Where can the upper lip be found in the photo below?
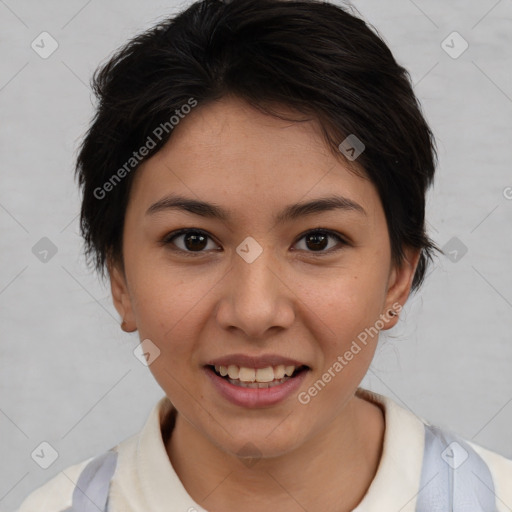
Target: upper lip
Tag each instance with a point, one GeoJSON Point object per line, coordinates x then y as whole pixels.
{"type": "Point", "coordinates": [247, 361]}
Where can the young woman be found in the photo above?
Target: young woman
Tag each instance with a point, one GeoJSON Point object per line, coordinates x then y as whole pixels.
{"type": "Point", "coordinates": [254, 186]}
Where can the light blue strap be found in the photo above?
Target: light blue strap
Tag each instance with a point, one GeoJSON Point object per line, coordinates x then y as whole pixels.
{"type": "Point", "coordinates": [454, 477]}
{"type": "Point", "coordinates": [91, 491]}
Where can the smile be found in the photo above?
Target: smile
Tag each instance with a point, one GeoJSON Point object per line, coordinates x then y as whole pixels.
{"type": "Point", "coordinates": [256, 387]}
{"type": "Point", "coordinates": [260, 378]}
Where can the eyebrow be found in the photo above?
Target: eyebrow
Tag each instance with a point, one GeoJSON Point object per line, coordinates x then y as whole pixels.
{"type": "Point", "coordinates": [289, 213]}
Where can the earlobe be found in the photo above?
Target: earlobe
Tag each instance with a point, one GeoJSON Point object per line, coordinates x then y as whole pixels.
{"type": "Point", "coordinates": [399, 285]}
{"type": "Point", "coordinates": [121, 297]}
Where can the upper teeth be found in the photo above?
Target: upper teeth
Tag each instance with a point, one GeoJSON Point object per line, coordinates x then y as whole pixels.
{"type": "Point", "coordinates": [244, 374]}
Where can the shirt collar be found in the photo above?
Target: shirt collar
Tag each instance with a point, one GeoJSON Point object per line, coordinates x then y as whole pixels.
{"type": "Point", "coordinates": [394, 486]}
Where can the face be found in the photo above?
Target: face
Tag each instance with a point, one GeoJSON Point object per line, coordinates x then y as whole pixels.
{"type": "Point", "coordinates": [295, 290]}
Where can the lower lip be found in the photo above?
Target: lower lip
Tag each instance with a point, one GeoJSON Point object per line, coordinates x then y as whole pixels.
{"type": "Point", "coordinates": [255, 397]}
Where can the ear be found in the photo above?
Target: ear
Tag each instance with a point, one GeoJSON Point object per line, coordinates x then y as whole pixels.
{"type": "Point", "coordinates": [399, 285]}
{"type": "Point", "coordinates": [121, 296]}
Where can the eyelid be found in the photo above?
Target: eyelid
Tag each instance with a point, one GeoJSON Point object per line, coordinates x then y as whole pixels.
{"type": "Point", "coordinates": [335, 234]}
{"type": "Point", "coordinates": [342, 240]}
{"type": "Point", "coordinates": [167, 240]}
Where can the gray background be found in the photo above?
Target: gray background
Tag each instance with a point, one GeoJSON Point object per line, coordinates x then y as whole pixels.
{"type": "Point", "coordinates": [68, 375]}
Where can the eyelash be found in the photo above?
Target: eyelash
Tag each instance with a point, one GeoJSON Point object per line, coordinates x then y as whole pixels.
{"type": "Point", "coordinates": [168, 240]}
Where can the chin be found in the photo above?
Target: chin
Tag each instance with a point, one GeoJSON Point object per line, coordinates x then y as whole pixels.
{"type": "Point", "coordinates": [263, 442]}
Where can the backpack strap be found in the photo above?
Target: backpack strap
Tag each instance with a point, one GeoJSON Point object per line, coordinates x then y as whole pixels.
{"type": "Point", "coordinates": [454, 477]}
{"type": "Point", "coordinates": [93, 485]}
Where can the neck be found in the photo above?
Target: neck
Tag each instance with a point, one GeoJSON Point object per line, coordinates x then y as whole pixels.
{"type": "Point", "coordinates": [331, 471]}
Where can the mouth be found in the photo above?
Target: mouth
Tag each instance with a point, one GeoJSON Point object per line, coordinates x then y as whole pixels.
{"type": "Point", "coordinates": [256, 381]}
{"type": "Point", "coordinates": [257, 378]}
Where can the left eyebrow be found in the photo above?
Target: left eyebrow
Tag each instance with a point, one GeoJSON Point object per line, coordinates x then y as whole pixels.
{"type": "Point", "coordinates": [289, 213]}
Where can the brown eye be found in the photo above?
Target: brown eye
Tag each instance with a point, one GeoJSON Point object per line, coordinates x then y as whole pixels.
{"type": "Point", "coordinates": [193, 240]}
{"type": "Point", "coordinates": [318, 240]}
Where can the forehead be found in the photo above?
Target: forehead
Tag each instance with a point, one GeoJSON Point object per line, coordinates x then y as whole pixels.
{"type": "Point", "coordinates": [238, 155]}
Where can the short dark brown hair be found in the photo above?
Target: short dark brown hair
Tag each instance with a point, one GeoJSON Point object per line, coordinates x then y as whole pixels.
{"type": "Point", "coordinates": [312, 56]}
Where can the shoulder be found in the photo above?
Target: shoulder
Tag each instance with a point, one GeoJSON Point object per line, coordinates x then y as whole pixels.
{"type": "Point", "coordinates": [57, 493]}
{"type": "Point", "coordinates": [501, 471]}
{"type": "Point", "coordinates": [427, 459]}
{"type": "Point", "coordinates": [480, 475]}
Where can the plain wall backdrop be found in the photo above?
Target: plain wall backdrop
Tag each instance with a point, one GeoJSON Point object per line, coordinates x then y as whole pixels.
{"type": "Point", "coordinates": [68, 375]}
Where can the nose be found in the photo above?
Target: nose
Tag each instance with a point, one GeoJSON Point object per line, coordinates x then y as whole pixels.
{"type": "Point", "coordinates": [257, 296]}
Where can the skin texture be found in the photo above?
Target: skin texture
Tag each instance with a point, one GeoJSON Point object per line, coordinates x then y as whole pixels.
{"type": "Point", "coordinates": [294, 300]}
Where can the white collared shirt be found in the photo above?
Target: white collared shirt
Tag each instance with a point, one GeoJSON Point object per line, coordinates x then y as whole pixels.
{"type": "Point", "coordinates": [145, 480]}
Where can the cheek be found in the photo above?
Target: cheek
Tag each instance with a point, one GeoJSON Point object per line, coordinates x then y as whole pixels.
{"type": "Point", "coordinates": [167, 311]}
{"type": "Point", "coordinates": [162, 294]}
{"type": "Point", "coordinates": [169, 304]}
{"type": "Point", "coordinates": [348, 307]}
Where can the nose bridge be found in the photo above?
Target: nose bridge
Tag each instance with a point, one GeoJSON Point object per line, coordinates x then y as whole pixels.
{"type": "Point", "coordinates": [256, 266]}
{"type": "Point", "coordinates": [254, 269]}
